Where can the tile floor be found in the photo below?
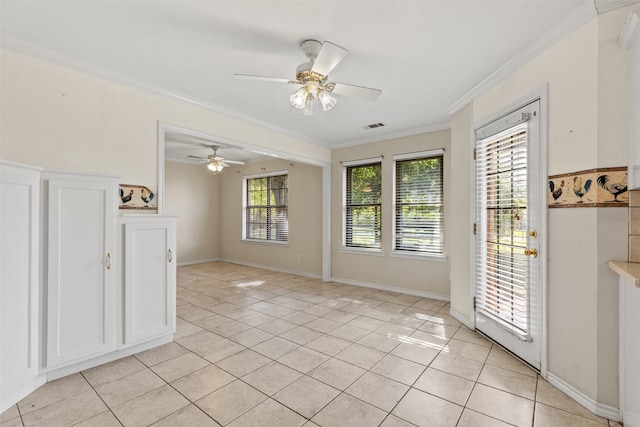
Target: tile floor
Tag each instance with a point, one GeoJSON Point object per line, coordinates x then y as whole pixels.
{"type": "Point", "coordinates": [260, 348]}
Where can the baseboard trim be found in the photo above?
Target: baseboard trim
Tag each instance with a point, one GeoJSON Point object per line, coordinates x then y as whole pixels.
{"type": "Point", "coordinates": [197, 261]}
{"type": "Point", "coordinates": [462, 319]}
{"type": "Point", "coordinates": [10, 398]}
{"type": "Point", "coordinates": [271, 268]}
{"type": "Point", "coordinates": [392, 289]}
{"type": "Point", "coordinates": [588, 403]}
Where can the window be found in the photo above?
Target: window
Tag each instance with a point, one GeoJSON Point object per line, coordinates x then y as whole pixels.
{"type": "Point", "coordinates": [363, 189]}
{"type": "Point", "coordinates": [266, 214]}
{"type": "Point", "coordinates": [418, 202]}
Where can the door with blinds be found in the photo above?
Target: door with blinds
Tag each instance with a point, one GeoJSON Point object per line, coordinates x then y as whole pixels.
{"type": "Point", "coordinates": [509, 210]}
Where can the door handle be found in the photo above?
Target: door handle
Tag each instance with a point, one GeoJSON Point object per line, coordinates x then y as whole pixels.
{"type": "Point", "coordinates": [109, 261]}
{"type": "Point", "coordinates": [170, 255]}
{"type": "Point", "coordinates": [531, 252]}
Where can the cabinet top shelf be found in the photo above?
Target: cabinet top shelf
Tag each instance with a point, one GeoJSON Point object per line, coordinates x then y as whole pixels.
{"type": "Point", "coordinates": [627, 270]}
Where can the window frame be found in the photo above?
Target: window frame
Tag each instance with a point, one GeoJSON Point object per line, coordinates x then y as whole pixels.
{"type": "Point", "coordinates": [246, 208]}
{"type": "Point", "coordinates": [418, 253]}
{"type": "Point", "coordinates": [345, 206]}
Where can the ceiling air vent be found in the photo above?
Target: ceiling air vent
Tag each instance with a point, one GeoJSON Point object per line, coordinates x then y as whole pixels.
{"type": "Point", "coordinates": [374, 125]}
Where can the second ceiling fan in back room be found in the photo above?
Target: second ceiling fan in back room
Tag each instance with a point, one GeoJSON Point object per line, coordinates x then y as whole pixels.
{"type": "Point", "coordinates": [216, 163]}
{"type": "Point", "coordinates": [314, 78]}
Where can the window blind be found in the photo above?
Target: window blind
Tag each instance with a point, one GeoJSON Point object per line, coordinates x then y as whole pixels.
{"type": "Point", "coordinates": [266, 208]}
{"type": "Point", "coordinates": [418, 205]}
{"type": "Point", "coordinates": [363, 209]}
{"type": "Point", "coordinates": [501, 265]}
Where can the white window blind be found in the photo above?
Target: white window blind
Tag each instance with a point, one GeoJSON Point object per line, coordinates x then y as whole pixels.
{"type": "Point", "coordinates": [266, 211]}
{"type": "Point", "coordinates": [418, 204]}
{"type": "Point", "coordinates": [362, 205]}
{"type": "Point", "coordinates": [501, 264]}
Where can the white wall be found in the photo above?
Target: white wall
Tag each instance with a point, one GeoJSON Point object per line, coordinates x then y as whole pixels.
{"type": "Point", "coordinates": [192, 193]}
{"type": "Point", "coordinates": [587, 123]}
{"type": "Point", "coordinates": [419, 275]}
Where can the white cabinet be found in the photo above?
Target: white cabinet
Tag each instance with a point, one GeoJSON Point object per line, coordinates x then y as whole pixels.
{"type": "Point", "coordinates": [149, 277]}
{"type": "Point", "coordinates": [629, 353]}
{"type": "Point", "coordinates": [19, 273]}
{"type": "Point", "coordinates": [80, 311]}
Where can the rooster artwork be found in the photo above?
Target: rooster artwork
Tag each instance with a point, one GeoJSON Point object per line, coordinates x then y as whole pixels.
{"type": "Point", "coordinates": [556, 192]}
{"type": "Point", "coordinates": [125, 198]}
{"type": "Point", "coordinates": [580, 189]}
{"type": "Point", "coordinates": [615, 188]}
{"type": "Point", "coordinates": [146, 196]}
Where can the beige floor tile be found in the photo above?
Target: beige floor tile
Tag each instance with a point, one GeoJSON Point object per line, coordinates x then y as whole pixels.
{"type": "Point", "coordinates": [251, 337]}
{"type": "Point", "coordinates": [393, 421]}
{"type": "Point", "coordinates": [467, 350]}
{"type": "Point", "coordinates": [466, 334]}
{"type": "Point", "coordinates": [199, 383]}
{"type": "Point", "coordinates": [67, 412]}
{"type": "Point", "coordinates": [445, 386]}
{"type": "Point", "coordinates": [12, 422]}
{"type": "Point", "coordinates": [423, 409]}
{"type": "Point", "coordinates": [257, 319]}
{"type": "Point", "coordinates": [275, 347]}
{"type": "Point", "coordinates": [191, 313]}
{"type": "Point", "coordinates": [242, 363]}
{"type": "Point", "coordinates": [366, 323]}
{"type": "Point", "coordinates": [439, 330]}
{"type": "Point", "coordinates": [9, 414]}
{"type": "Point", "coordinates": [456, 365]}
{"type": "Point", "coordinates": [219, 350]}
{"type": "Point", "coordinates": [277, 326]}
{"type": "Point", "coordinates": [428, 339]}
{"type": "Point", "coordinates": [214, 321]}
{"type": "Point", "coordinates": [340, 316]}
{"type": "Point", "coordinates": [300, 335]}
{"type": "Point", "coordinates": [300, 318]}
{"type": "Point", "coordinates": [547, 416]}
{"type": "Point", "coordinates": [398, 369]}
{"type": "Point", "coordinates": [53, 392]}
{"type": "Point", "coordinates": [184, 329]}
{"type": "Point", "coordinates": [306, 396]}
{"type": "Point", "coordinates": [318, 310]}
{"type": "Point", "coordinates": [510, 381]}
{"type": "Point", "coordinates": [104, 419]}
{"type": "Point", "coordinates": [150, 407]}
{"type": "Point", "coordinates": [271, 309]}
{"type": "Point", "coordinates": [229, 329]}
{"type": "Point", "coordinates": [126, 388]}
{"type": "Point", "coordinates": [328, 345]}
{"type": "Point", "coordinates": [361, 356]}
{"type": "Point", "coordinates": [471, 418]}
{"type": "Point", "coordinates": [444, 319]}
{"type": "Point", "coordinates": [271, 378]}
{"type": "Point", "coordinates": [160, 354]}
{"type": "Point", "coordinates": [504, 360]}
{"type": "Point", "coordinates": [377, 390]}
{"type": "Point", "coordinates": [551, 396]}
{"type": "Point", "coordinates": [337, 373]}
{"type": "Point", "coordinates": [230, 402]}
{"type": "Point", "coordinates": [180, 366]}
{"type": "Point", "coordinates": [189, 416]}
{"type": "Point", "coordinates": [393, 330]}
{"type": "Point", "coordinates": [322, 325]}
{"type": "Point", "coordinates": [113, 370]}
{"type": "Point", "coordinates": [415, 352]}
{"type": "Point", "coordinates": [347, 411]}
{"type": "Point", "coordinates": [303, 359]}
{"type": "Point", "coordinates": [269, 413]}
{"type": "Point", "coordinates": [199, 340]}
{"type": "Point", "coordinates": [379, 342]}
{"type": "Point", "coordinates": [504, 406]}
{"type": "Point", "coordinates": [349, 333]}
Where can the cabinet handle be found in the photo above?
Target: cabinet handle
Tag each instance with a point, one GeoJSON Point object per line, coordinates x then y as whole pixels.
{"type": "Point", "coordinates": [109, 261]}
{"type": "Point", "coordinates": [170, 255]}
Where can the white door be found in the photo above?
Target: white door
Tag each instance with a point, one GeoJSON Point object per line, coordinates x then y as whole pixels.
{"type": "Point", "coordinates": [80, 291]}
{"type": "Point", "coordinates": [509, 217]}
{"type": "Point", "coordinates": [149, 278]}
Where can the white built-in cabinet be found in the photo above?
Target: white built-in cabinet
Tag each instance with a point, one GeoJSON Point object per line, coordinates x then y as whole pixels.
{"type": "Point", "coordinates": [80, 303]}
{"type": "Point", "coordinates": [19, 279]}
{"type": "Point", "coordinates": [80, 284]}
{"type": "Point", "coordinates": [149, 277]}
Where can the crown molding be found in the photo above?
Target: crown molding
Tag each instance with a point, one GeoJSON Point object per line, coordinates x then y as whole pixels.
{"type": "Point", "coordinates": [393, 135]}
{"type": "Point", "coordinates": [584, 12]}
{"type": "Point", "coordinates": [19, 45]}
{"type": "Point", "coordinates": [631, 30]}
{"type": "Point", "coordinates": [604, 6]}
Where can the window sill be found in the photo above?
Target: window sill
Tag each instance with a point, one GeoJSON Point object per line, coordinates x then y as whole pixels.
{"type": "Point", "coordinates": [266, 242]}
{"type": "Point", "coordinates": [362, 251]}
{"type": "Point", "coordinates": [425, 257]}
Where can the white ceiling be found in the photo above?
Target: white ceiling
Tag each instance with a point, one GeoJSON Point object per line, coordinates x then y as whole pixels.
{"type": "Point", "coordinates": [423, 55]}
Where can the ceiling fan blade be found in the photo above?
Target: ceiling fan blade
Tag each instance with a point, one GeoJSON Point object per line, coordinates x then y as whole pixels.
{"type": "Point", "coordinates": [264, 78]}
{"type": "Point", "coordinates": [366, 93]}
{"type": "Point", "coordinates": [198, 158]}
{"type": "Point", "coordinates": [329, 56]}
{"type": "Point", "coordinates": [233, 162]}
{"type": "Point", "coordinates": [223, 164]}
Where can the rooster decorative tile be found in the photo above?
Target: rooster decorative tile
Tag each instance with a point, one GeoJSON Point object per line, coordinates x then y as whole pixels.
{"type": "Point", "coordinates": [604, 187]}
{"type": "Point", "coordinates": [136, 197]}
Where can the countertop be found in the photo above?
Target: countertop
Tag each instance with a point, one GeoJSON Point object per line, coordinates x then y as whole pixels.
{"type": "Point", "coordinates": [628, 270]}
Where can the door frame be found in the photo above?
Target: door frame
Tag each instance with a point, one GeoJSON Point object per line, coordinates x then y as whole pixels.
{"type": "Point", "coordinates": [541, 93]}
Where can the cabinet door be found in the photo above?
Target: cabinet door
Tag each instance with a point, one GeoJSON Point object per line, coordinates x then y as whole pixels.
{"type": "Point", "coordinates": [80, 294]}
{"type": "Point", "coordinates": [150, 278]}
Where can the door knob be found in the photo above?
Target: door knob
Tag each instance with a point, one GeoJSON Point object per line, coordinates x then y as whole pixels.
{"type": "Point", "coordinates": [531, 252]}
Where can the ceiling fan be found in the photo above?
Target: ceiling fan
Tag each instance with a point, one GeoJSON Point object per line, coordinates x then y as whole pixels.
{"type": "Point", "coordinates": [313, 76]}
{"type": "Point", "coordinates": [214, 162]}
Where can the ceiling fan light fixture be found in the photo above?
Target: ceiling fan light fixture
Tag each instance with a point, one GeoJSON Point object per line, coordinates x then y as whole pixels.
{"type": "Point", "coordinates": [215, 166]}
{"type": "Point", "coordinates": [299, 98]}
{"type": "Point", "coordinates": [308, 106]}
{"type": "Point", "coordinates": [327, 101]}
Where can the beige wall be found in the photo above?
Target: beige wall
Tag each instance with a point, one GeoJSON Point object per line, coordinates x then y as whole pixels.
{"type": "Point", "coordinates": [587, 113]}
{"type": "Point", "coordinates": [305, 219]}
{"type": "Point", "coordinates": [419, 275]}
{"type": "Point", "coordinates": [59, 118]}
{"type": "Point", "coordinates": [192, 193]}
